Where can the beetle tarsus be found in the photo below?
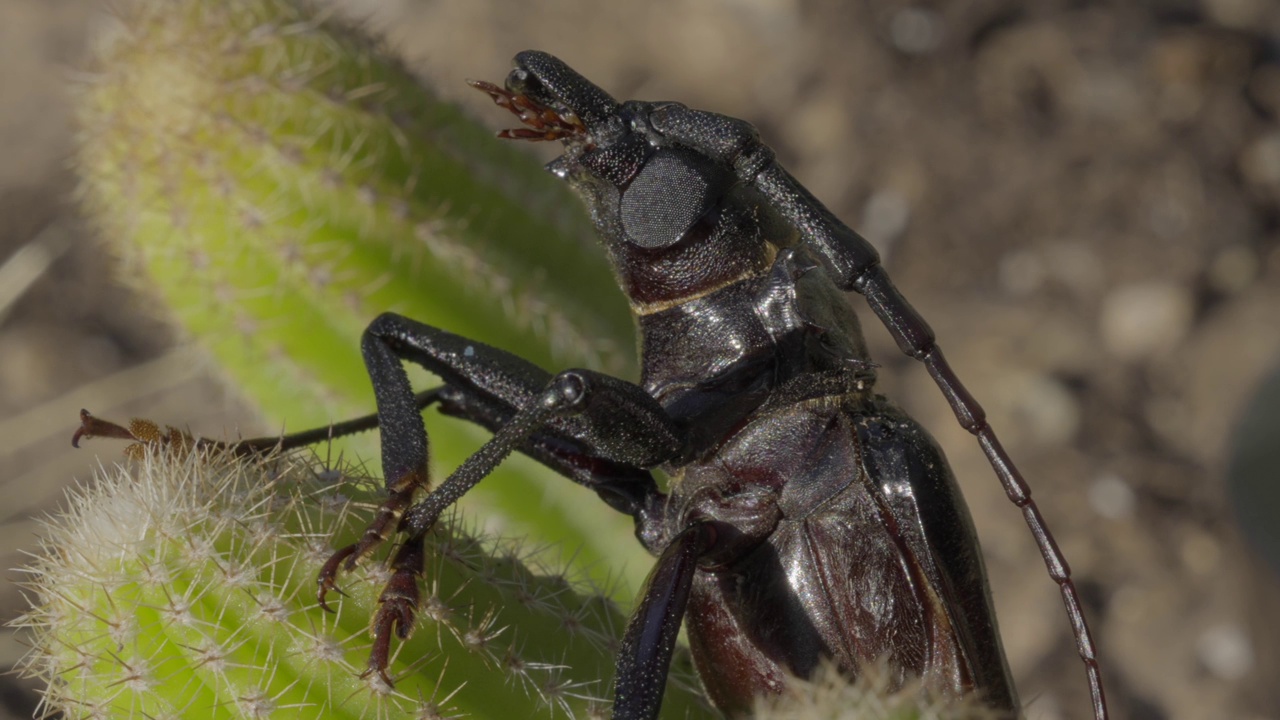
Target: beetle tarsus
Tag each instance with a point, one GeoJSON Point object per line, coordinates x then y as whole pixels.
{"type": "Point", "coordinates": [389, 514]}
{"type": "Point", "coordinates": [142, 434]}
{"type": "Point", "coordinates": [397, 605]}
{"type": "Point", "coordinates": [92, 427]}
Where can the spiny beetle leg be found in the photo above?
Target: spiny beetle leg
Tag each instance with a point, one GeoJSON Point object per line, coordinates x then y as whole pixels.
{"type": "Point", "coordinates": [640, 434]}
{"type": "Point", "coordinates": [624, 487]}
{"type": "Point", "coordinates": [623, 432]}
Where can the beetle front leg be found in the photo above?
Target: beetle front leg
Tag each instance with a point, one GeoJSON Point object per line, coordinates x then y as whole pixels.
{"type": "Point", "coordinates": [567, 394]}
{"type": "Point", "coordinates": [404, 455]}
{"type": "Point", "coordinates": [397, 604]}
{"type": "Point", "coordinates": [608, 421]}
{"type": "Point", "coordinates": [571, 394]}
{"type": "Point", "coordinates": [608, 452]}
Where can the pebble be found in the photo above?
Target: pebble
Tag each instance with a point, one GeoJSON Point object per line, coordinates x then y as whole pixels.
{"type": "Point", "coordinates": [884, 218]}
{"type": "Point", "coordinates": [1046, 409]}
{"type": "Point", "coordinates": [1233, 269]}
{"type": "Point", "coordinates": [1141, 320]}
{"type": "Point", "coordinates": [1072, 265]}
{"type": "Point", "coordinates": [1260, 160]}
{"type": "Point", "coordinates": [1022, 272]}
{"type": "Point", "coordinates": [1112, 497]}
{"type": "Point", "coordinates": [1237, 14]}
{"type": "Point", "coordinates": [1225, 650]}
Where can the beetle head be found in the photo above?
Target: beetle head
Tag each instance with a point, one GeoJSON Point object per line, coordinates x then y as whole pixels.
{"type": "Point", "coordinates": [668, 187]}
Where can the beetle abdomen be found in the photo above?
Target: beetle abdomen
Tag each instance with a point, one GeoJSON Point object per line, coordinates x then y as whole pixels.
{"type": "Point", "coordinates": [837, 576]}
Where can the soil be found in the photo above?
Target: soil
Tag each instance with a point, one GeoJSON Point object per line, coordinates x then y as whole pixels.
{"type": "Point", "coordinates": [1083, 198]}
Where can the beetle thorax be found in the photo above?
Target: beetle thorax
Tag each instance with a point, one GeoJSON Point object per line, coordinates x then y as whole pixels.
{"type": "Point", "coordinates": [784, 335]}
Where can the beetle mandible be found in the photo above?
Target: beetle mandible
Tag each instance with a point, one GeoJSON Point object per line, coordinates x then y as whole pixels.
{"type": "Point", "coordinates": [807, 517]}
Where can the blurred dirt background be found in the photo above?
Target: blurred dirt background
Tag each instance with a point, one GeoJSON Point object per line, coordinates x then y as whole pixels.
{"type": "Point", "coordinates": [1082, 197]}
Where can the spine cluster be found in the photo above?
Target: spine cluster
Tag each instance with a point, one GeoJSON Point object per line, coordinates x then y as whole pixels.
{"type": "Point", "coordinates": [184, 586]}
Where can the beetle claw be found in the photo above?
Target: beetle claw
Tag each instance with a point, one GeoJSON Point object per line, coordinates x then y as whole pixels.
{"type": "Point", "coordinates": [397, 607]}
{"type": "Point", "coordinates": [325, 581]}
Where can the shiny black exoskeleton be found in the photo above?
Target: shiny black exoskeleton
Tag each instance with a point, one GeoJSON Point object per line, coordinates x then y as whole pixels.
{"type": "Point", "coordinates": [807, 518]}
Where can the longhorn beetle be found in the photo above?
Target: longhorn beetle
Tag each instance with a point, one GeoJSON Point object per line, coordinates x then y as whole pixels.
{"type": "Point", "coordinates": [807, 517]}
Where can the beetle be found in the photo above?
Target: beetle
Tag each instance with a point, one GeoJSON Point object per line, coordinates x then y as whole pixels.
{"type": "Point", "coordinates": [807, 518]}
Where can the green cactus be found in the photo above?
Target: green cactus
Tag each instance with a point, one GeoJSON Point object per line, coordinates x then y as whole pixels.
{"type": "Point", "coordinates": [183, 586]}
{"type": "Point", "coordinates": [872, 696]}
{"type": "Point", "coordinates": [276, 180]}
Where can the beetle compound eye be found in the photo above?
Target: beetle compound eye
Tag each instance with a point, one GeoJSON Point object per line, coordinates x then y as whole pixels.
{"type": "Point", "coordinates": [668, 196]}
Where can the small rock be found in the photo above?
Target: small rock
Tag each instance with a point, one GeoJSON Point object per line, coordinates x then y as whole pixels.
{"type": "Point", "coordinates": [1022, 272]}
{"type": "Point", "coordinates": [1237, 14]}
{"type": "Point", "coordinates": [1233, 269]}
{"type": "Point", "coordinates": [1226, 651]}
{"type": "Point", "coordinates": [884, 218]}
{"type": "Point", "coordinates": [1112, 497]}
{"type": "Point", "coordinates": [1141, 320]}
{"type": "Point", "coordinates": [1046, 410]}
{"type": "Point", "coordinates": [1260, 160]}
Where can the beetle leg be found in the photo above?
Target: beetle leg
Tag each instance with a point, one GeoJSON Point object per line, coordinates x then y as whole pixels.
{"type": "Point", "coordinates": [399, 599]}
{"type": "Point", "coordinates": [570, 394]}
{"type": "Point", "coordinates": [622, 434]}
{"type": "Point", "coordinates": [567, 394]}
{"type": "Point", "coordinates": [388, 514]}
{"type": "Point", "coordinates": [623, 487]}
{"type": "Point", "coordinates": [645, 655]}
{"type": "Point", "coordinates": [627, 424]}
{"type": "Point", "coordinates": [580, 420]}
{"type": "Point", "coordinates": [485, 386]}
{"type": "Point", "coordinates": [404, 455]}
{"type": "Point", "coordinates": [364, 423]}
{"type": "Point", "coordinates": [396, 605]}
